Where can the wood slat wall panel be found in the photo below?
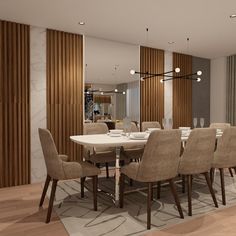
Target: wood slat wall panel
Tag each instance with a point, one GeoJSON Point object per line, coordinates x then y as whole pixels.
{"type": "Point", "coordinates": [65, 90]}
{"type": "Point", "coordinates": [182, 92]}
{"type": "Point", "coordinates": [14, 104]}
{"type": "Point", "coordinates": [151, 90]}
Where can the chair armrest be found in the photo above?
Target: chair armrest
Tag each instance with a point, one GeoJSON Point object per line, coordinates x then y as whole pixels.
{"type": "Point", "coordinates": [64, 157]}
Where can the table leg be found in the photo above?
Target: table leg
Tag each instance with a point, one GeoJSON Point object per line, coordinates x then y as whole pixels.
{"type": "Point", "coordinates": [117, 176]}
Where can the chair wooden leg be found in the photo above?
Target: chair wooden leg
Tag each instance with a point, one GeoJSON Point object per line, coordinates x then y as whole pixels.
{"type": "Point", "coordinates": [189, 177]}
{"type": "Point", "coordinates": [231, 172]}
{"type": "Point", "coordinates": [235, 170]}
{"type": "Point", "coordinates": [130, 182]}
{"type": "Point", "coordinates": [45, 188]}
{"type": "Point", "coordinates": [122, 178]}
{"type": "Point", "coordinates": [149, 205]}
{"type": "Point", "coordinates": [158, 189]}
{"type": "Point", "coordinates": [82, 180]}
{"type": "Point", "coordinates": [95, 189]}
{"type": "Point", "coordinates": [152, 192]}
{"type": "Point", "coordinates": [210, 188]}
{"type": "Point", "coordinates": [53, 191]}
{"type": "Point", "coordinates": [212, 175]}
{"type": "Point", "coordinates": [107, 170]}
{"type": "Point", "coordinates": [222, 181]}
{"type": "Point", "coordinates": [183, 183]}
{"type": "Point", "coordinates": [176, 198]}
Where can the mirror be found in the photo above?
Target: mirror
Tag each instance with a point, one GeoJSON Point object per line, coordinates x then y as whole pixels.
{"type": "Point", "coordinates": [111, 92]}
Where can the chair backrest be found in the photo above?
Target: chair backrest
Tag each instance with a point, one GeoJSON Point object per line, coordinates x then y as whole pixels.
{"type": "Point", "coordinates": [95, 128]}
{"type": "Point", "coordinates": [134, 127]}
{"type": "Point", "coordinates": [52, 160]}
{"type": "Point", "coordinates": [161, 156]}
{"type": "Point", "coordinates": [199, 151]}
{"type": "Point", "coordinates": [225, 154]}
{"type": "Point", "coordinates": [221, 126]}
{"type": "Point", "coordinates": [150, 124]}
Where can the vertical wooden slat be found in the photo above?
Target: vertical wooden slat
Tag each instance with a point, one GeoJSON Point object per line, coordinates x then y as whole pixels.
{"type": "Point", "coordinates": [151, 90]}
{"type": "Point", "coordinates": [65, 90]}
{"type": "Point", "coordinates": [14, 104]}
{"type": "Point", "coordinates": [182, 92]}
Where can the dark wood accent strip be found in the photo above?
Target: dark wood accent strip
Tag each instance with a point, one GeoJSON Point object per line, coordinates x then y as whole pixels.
{"type": "Point", "coordinates": [14, 104]}
{"type": "Point", "coordinates": [182, 92]}
{"type": "Point", "coordinates": [65, 90]}
{"type": "Point", "coordinates": [151, 90]}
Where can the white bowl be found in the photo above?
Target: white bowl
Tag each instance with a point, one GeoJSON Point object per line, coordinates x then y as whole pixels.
{"type": "Point", "coordinates": [153, 129]}
{"type": "Point", "coordinates": [116, 131]}
{"type": "Point", "coordinates": [139, 135]}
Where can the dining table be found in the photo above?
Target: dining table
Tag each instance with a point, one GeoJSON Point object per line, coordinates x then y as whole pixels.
{"type": "Point", "coordinates": [106, 140]}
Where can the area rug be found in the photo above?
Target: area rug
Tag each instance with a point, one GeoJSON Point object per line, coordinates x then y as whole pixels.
{"type": "Point", "coordinates": [79, 219]}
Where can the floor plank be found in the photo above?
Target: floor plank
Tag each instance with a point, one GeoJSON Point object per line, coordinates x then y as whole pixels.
{"type": "Point", "coordinates": [21, 216]}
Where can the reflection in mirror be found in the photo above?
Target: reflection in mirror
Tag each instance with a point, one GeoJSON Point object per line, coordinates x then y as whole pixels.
{"type": "Point", "coordinates": [111, 92]}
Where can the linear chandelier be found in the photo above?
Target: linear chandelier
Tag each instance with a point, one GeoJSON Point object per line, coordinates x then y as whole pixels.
{"type": "Point", "coordinates": [102, 92]}
{"type": "Point", "coordinates": [147, 75]}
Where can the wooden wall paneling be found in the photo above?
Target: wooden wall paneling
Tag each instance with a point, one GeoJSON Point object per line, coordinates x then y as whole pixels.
{"type": "Point", "coordinates": [65, 90]}
{"type": "Point", "coordinates": [151, 90]}
{"type": "Point", "coordinates": [14, 104]}
{"type": "Point", "coordinates": [182, 92]}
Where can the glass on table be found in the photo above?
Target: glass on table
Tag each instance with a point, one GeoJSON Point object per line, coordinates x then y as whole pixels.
{"type": "Point", "coordinates": [127, 126]}
{"type": "Point", "coordinates": [202, 122]}
{"type": "Point", "coordinates": [170, 121]}
{"type": "Point", "coordinates": [195, 122]}
{"type": "Point", "coordinates": [164, 123]}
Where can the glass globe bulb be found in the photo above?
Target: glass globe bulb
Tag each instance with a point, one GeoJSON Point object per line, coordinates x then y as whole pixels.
{"type": "Point", "coordinates": [123, 92]}
{"type": "Point", "coordinates": [161, 80]}
{"type": "Point", "coordinates": [101, 93]}
{"type": "Point", "coordinates": [177, 70]}
{"type": "Point", "coordinates": [199, 73]}
{"type": "Point", "coordinates": [132, 72]}
{"type": "Point", "coordinates": [116, 90]}
{"type": "Point", "coordinates": [198, 79]}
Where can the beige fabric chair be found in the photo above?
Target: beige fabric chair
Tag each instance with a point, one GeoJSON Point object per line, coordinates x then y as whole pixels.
{"type": "Point", "coordinates": [225, 155]}
{"type": "Point", "coordinates": [129, 152]}
{"type": "Point", "coordinates": [221, 126]}
{"type": "Point", "coordinates": [150, 124]}
{"type": "Point", "coordinates": [159, 162]}
{"type": "Point", "coordinates": [197, 159]}
{"type": "Point", "coordinates": [101, 154]}
{"type": "Point", "coordinates": [58, 168]}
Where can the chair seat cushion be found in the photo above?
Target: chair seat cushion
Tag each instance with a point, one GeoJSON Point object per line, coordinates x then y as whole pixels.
{"type": "Point", "coordinates": [74, 170]}
{"type": "Point", "coordinates": [131, 170]}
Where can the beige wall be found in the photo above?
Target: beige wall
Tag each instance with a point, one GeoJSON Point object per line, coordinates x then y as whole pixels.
{"type": "Point", "coordinates": [218, 90]}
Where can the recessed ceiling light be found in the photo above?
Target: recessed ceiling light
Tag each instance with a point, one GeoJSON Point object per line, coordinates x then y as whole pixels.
{"type": "Point", "coordinates": [233, 16]}
{"type": "Point", "coordinates": [81, 23]}
{"type": "Point", "coordinates": [171, 42]}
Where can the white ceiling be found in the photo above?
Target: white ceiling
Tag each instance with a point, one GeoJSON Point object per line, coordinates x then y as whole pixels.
{"type": "Point", "coordinates": [206, 22]}
{"type": "Point", "coordinates": [109, 62]}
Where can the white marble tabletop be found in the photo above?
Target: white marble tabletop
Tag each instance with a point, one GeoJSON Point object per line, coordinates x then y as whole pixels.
{"type": "Point", "coordinates": [101, 140]}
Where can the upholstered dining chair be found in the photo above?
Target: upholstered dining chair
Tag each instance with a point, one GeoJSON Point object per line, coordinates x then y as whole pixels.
{"type": "Point", "coordinates": [221, 126]}
{"type": "Point", "coordinates": [102, 154]}
{"type": "Point", "coordinates": [225, 155]}
{"type": "Point", "coordinates": [197, 159]}
{"type": "Point", "coordinates": [150, 124]}
{"type": "Point", "coordinates": [130, 152]}
{"type": "Point", "coordinates": [59, 168]}
{"type": "Point", "coordinates": [159, 162]}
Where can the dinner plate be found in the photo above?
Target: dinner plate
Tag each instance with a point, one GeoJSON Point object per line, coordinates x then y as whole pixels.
{"type": "Point", "coordinates": [138, 138]}
{"type": "Point", "coordinates": [114, 135]}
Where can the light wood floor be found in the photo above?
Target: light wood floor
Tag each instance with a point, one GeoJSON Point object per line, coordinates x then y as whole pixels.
{"type": "Point", "coordinates": [19, 215]}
